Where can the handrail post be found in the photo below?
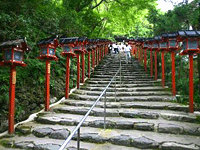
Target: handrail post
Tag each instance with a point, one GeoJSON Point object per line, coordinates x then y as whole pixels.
{"type": "Point", "coordinates": [120, 71]}
{"type": "Point", "coordinates": [77, 128]}
{"type": "Point", "coordinates": [105, 111]}
{"type": "Point", "coordinates": [115, 88]}
{"type": "Point", "coordinates": [78, 139]}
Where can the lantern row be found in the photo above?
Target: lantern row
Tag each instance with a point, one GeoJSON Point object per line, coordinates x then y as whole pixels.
{"type": "Point", "coordinates": [185, 41]}
{"type": "Point", "coordinates": [73, 47]}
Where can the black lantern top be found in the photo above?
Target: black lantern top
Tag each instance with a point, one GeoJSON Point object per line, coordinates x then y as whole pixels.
{"type": "Point", "coordinates": [13, 52]}
{"type": "Point", "coordinates": [188, 34]}
{"type": "Point", "coordinates": [170, 38]}
{"type": "Point", "coordinates": [150, 43]}
{"type": "Point", "coordinates": [80, 45]}
{"type": "Point", "coordinates": [120, 38]}
{"type": "Point", "coordinates": [156, 42]}
{"type": "Point", "coordinates": [67, 45]}
{"type": "Point", "coordinates": [145, 45]}
{"type": "Point", "coordinates": [190, 41]}
{"type": "Point", "coordinates": [48, 48]}
{"type": "Point", "coordinates": [90, 44]}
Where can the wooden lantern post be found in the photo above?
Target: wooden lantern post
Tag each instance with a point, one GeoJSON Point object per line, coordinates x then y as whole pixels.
{"type": "Point", "coordinates": [47, 52]}
{"type": "Point", "coordinates": [190, 41]}
{"type": "Point", "coordinates": [145, 47]}
{"type": "Point", "coordinates": [172, 48]}
{"type": "Point", "coordinates": [13, 55]}
{"type": "Point", "coordinates": [79, 49]}
{"type": "Point", "coordinates": [67, 45]}
{"type": "Point", "coordinates": [150, 43]}
{"type": "Point", "coordinates": [155, 47]}
{"type": "Point", "coordinates": [163, 48]}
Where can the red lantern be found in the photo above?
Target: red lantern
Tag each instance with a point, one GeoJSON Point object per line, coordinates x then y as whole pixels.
{"type": "Point", "coordinates": [13, 55]}
{"type": "Point", "coordinates": [190, 40]}
{"type": "Point", "coordinates": [47, 52]}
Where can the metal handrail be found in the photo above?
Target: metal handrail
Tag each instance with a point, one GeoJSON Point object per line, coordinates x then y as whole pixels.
{"type": "Point", "coordinates": [86, 115]}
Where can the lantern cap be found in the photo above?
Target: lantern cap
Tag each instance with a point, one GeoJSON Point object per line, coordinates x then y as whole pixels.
{"type": "Point", "coordinates": [21, 42]}
{"type": "Point", "coordinates": [198, 32]}
{"type": "Point", "coordinates": [157, 38]}
{"type": "Point", "coordinates": [50, 40]}
{"type": "Point", "coordinates": [82, 39]}
{"type": "Point", "coordinates": [172, 35]}
{"type": "Point", "coordinates": [188, 33]}
{"type": "Point", "coordinates": [67, 40]}
{"type": "Point", "coordinates": [120, 38]}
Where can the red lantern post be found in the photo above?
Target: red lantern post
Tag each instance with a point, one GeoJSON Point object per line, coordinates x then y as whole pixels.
{"type": "Point", "coordinates": [145, 47]}
{"type": "Point", "coordinates": [67, 45]}
{"type": "Point", "coordinates": [172, 47]}
{"type": "Point", "coordinates": [190, 41]}
{"type": "Point", "coordinates": [163, 48]}
{"type": "Point", "coordinates": [150, 42]}
{"type": "Point", "coordinates": [90, 50]}
{"type": "Point", "coordinates": [156, 48]}
{"type": "Point", "coordinates": [13, 54]}
{"type": "Point", "coordinates": [80, 49]}
{"type": "Point", "coordinates": [47, 52]}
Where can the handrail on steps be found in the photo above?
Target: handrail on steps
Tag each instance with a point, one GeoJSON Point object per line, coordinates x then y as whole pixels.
{"type": "Point", "coordinates": [77, 128]}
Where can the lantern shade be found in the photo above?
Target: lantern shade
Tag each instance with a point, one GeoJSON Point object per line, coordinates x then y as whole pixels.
{"type": "Point", "coordinates": [48, 48]}
{"type": "Point", "coordinates": [67, 45]}
{"type": "Point", "coordinates": [13, 52]}
{"type": "Point", "coordinates": [66, 48]}
{"type": "Point", "coordinates": [18, 56]}
{"type": "Point", "coordinates": [173, 43]}
{"type": "Point", "coordinates": [190, 39]}
{"type": "Point", "coordinates": [163, 45]}
{"type": "Point", "coordinates": [193, 44]}
{"type": "Point", "coordinates": [8, 54]}
{"type": "Point", "coordinates": [145, 45]}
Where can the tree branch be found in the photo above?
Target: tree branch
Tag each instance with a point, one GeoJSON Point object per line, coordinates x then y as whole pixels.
{"type": "Point", "coordinates": [97, 4]}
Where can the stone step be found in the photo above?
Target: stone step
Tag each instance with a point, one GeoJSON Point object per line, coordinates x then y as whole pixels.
{"type": "Point", "coordinates": [130, 89]}
{"type": "Point", "coordinates": [122, 79]}
{"type": "Point", "coordinates": [122, 82]}
{"type": "Point", "coordinates": [108, 72]}
{"type": "Point", "coordinates": [99, 139]}
{"type": "Point", "coordinates": [112, 85]}
{"type": "Point", "coordinates": [125, 76]}
{"type": "Point", "coordinates": [128, 113]}
{"type": "Point", "coordinates": [161, 126]}
{"type": "Point", "coordinates": [134, 105]}
{"type": "Point", "coordinates": [121, 93]}
{"type": "Point", "coordinates": [122, 70]}
{"type": "Point", "coordinates": [125, 99]}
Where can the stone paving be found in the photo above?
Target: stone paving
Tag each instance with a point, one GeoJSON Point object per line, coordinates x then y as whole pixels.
{"type": "Point", "coordinates": [142, 116]}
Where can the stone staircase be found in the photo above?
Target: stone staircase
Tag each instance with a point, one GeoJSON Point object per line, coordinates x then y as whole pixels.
{"type": "Point", "coordinates": [142, 116]}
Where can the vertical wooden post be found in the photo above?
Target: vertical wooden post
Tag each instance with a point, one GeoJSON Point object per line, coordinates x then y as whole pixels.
{"type": "Point", "coordinates": [156, 72]}
{"type": "Point", "coordinates": [97, 56]}
{"type": "Point", "coordinates": [11, 123]}
{"type": "Point", "coordinates": [83, 66]}
{"type": "Point", "coordinates": [67, 77]}
{"type": "Point", "coordinates": [78, 70]}
{"type": "Point", "coordinates": [145, 60]}
{"type": "Point", "coordinates": [92, 58]}
{"type": "Point", "coordinates": [89, 64]}
{"type": "Point", "coordinates": [151, 63]}
{"type": "Point", "coordinates": [135, 52]}
{"type": "Point", "coordinates": [173, 74]}
{"type": "Point", "coordinates": [142, 56]}
{"type": "Point", "coordinates": [191, 90]}
{"type": "Point", "coordinates": [47, 93]}
{"type": "Point", "coordinates": [139, 53]}
{"type": "Point", "coordinates": [163, 69]}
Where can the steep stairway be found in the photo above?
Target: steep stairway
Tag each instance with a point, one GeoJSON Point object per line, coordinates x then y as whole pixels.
{"type": "Point", "coordinates": [143, 115]}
